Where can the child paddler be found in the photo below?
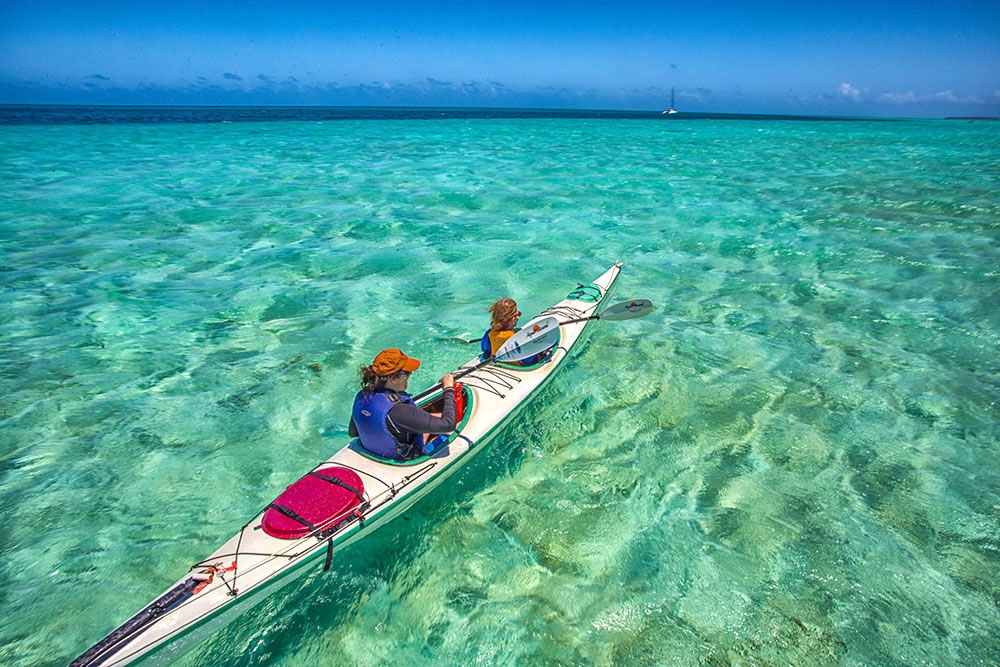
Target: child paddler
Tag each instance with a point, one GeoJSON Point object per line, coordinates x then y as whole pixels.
{"type": "Point", "coordinates": [386, 419]}
{"type": "Point", "coordinates": [503, 325]}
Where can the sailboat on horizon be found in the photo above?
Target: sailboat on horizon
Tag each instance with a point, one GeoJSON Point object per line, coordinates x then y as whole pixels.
{"type": "Point", "coordinates": [671, 108]}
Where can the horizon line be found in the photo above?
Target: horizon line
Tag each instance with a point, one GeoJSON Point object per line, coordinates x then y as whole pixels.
{"type": "Point", "coordinates": [690, 115]}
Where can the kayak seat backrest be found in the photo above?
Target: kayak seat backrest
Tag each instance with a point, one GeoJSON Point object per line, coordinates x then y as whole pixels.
{"type": "Point", "coordinates": [318, 501]}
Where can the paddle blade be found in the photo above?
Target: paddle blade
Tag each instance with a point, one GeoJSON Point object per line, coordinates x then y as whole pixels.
{"type": "Point", "coordinates": [627, 310]}
{"type": "Point", "coordinates": [537, 336]}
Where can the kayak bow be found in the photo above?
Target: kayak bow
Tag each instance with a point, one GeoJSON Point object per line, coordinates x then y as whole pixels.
{"type": "Point", "coordinates": [347, 496]}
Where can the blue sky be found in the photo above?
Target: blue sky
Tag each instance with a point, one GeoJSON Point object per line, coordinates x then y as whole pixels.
{"type": "Point", "coordinates": [876, 58]}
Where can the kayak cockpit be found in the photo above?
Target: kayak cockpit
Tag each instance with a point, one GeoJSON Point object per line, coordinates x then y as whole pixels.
{"type": "Point", "coordinates": [433, 403]}
{"type": "Point", "coordinates": [532, 362]}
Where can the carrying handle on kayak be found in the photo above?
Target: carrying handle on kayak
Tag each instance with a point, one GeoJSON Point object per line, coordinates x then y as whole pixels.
{"type": "Point", "coordinates": [536, 336]}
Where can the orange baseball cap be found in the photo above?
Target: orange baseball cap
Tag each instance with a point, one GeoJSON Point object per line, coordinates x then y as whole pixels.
{"type": "Point", "coordinates": [392, 361]}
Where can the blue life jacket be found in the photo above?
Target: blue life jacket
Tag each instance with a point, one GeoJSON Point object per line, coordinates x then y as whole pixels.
{"type": "Point", "coordinates": [371, 417]}
{"type": "Point", "coordinates": [485, 345]}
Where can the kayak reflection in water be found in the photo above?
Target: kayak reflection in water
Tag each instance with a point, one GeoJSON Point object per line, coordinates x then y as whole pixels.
{"type": "Point", "coordinates": [386, 419]}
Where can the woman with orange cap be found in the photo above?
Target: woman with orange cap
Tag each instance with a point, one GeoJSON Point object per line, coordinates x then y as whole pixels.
{"type": "Point", "coordinates": [386, 419]}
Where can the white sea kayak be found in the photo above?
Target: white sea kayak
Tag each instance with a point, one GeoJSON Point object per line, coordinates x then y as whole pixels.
{"type": "Point", "coordinates": [353, 492]}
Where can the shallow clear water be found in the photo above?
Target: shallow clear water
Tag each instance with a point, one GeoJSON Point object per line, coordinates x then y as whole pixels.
{"type": "Point", "coordinates": [793, 460]}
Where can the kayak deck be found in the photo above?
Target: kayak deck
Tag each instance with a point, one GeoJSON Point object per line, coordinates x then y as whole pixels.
{"type": "Point", "coordinates": [274, 547]}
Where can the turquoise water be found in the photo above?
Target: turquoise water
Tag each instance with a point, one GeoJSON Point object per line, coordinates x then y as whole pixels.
{"type": "Point", "coordinates": [793, 460]}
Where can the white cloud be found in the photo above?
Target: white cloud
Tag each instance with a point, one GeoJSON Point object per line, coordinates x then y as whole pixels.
{"type": "Point", "coordinates": [847, 90]}
{"type": "Point", "coordinates": [947, 96]}
{"type": "Point", "coordinates": [909, 97]}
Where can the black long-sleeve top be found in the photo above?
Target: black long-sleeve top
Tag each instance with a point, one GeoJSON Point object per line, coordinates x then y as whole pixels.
{"type": "Point", "coordinates": [404, 419]}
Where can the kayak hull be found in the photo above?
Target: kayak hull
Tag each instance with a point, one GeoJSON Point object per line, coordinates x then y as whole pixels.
{"type": "Point", "coordinates": [254, 564]}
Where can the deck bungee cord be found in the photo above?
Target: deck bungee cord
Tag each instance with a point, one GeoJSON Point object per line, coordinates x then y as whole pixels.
{"type": "Point", "coordinates": [492, 379]}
